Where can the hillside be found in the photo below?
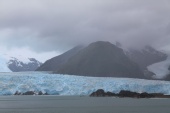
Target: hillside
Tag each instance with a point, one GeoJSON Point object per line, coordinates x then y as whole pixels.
{"type": "Point", "coordinates": [55, 63]}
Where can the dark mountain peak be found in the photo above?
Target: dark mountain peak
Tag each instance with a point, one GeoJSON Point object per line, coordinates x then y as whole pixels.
{"type": "Point", "coordinates": [102, 44]}
{"type": "Point", "coordinates": [101, 59]}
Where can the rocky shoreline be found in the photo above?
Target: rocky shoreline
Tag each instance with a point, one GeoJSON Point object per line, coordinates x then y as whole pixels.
{"type": "Point", "coordinates": [123, 93]}
{"type": "Point", "coordinates": [30, 93]}
{"type": "Point", "coordinates": [102, 93]}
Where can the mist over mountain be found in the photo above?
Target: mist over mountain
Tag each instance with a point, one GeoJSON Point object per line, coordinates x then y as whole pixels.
{"type": "Point", "coordinates": [101, 59]}
{"type": "Point", "coordinates": [105, 59]}
{"type": "Point", "coordinates": [146, 56]}
{"type": "Point", "coordinates": [97, 59]}
{"type": "Point", "coordinates": [58, 25]}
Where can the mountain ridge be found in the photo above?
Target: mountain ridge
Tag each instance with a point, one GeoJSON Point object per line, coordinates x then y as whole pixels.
{"type": "Point", "coordinates": [139, 58]}
{"type": "Point", "coordinates": [17, 64]}
{"type": "Point", "coordinates": [101, 59]}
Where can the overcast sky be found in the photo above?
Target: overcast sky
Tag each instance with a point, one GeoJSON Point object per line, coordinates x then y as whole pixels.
{"type": "Point", "coordinates": [50, 27]}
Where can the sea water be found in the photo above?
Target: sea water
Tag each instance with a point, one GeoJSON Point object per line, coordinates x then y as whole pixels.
{"type": "Point", "coordinates": [77, 104]}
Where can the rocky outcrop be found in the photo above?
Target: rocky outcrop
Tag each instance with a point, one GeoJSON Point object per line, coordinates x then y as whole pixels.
{"type": "Point", "coordinates": [122, 93]}
{"type": "Point", "coordinates": [102, 93]}
{"type": "Point", "coordinates": [30, 93]}
{"type": "Point", "coordinates": [139, 95]}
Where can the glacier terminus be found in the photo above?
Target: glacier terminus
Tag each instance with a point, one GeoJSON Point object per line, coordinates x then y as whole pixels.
{"type": "Point", "coordinates": [57, 84]}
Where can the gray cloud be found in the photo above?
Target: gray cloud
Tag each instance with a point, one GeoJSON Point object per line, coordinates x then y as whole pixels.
{"type": "Point", "coordinates": [46, 25]}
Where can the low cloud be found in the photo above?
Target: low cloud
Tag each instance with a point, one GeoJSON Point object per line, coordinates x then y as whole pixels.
{"type": "Point", "coordinates": [57, 25]}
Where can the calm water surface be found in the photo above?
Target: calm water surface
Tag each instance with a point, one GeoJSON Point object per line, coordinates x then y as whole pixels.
{"type": "Point", "coordinates": [75, 104]}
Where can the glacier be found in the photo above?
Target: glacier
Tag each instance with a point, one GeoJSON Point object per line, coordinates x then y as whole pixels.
{"type": "Point", "coordinates": [3, 65]}
{"type": "Point", "coordinates": [57, 84]}
{"type": "Point", "coordinates": [160, 69]}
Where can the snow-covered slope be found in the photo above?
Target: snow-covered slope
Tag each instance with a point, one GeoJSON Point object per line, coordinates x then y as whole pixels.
{"type": "Point", "coordinates": [56, 84]}
{"type": "Point", "coordinates": [18, 63]}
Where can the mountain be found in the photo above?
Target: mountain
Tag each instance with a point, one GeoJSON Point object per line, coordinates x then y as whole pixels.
{"type": "Point", "coordinates": [55, 63]}
{"type": "Point", "coordinates": [18, 63]}
{"type": "Point", "coordinates": [101, 59]}
{"type": "Point", "coordinates": [105, 59]}
{"type": "Point", "coordinates": [146, 56]}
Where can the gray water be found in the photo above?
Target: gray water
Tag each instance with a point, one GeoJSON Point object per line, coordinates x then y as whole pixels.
{"type": "Point", "coordinates": [75, 104]}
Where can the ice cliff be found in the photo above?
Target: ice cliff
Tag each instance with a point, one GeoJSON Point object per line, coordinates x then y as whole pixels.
{"type": "Point", "coordinates": [56, 84]}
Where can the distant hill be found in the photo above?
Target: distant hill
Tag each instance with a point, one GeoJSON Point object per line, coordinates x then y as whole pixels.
{"type": "Point", "coordinates": [55, 63]}
{"type": "Point", "coordinates": [101, 59]}
{"type": "Point", "coordinates": [17, 65]}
